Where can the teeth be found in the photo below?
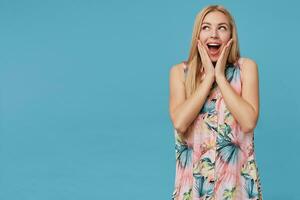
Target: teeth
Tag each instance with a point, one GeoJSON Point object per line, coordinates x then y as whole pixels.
{"type": "Point", "coordinates": [213, 44]}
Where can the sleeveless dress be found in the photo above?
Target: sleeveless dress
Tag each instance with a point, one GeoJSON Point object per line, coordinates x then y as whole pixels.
{"type": "Point", "coordinates": [216, 159]}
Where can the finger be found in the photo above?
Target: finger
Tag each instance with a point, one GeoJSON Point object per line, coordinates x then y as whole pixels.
{"type": "Point", "coordinates": [229, 41]}
{"type": "Point", "coordinates": [199, 47]}
{"type": "Point", "coordinates": [223, 51]}
{"type": "Point", "coordinates": [223, 55]}
{"type": "Point", "coordinates": [200, 44]}
{"type": "Point", "coordinates": [201, 50]}
{"type": "Point", "coordinates": [202, 53]}
{"type": "Point", "coordinates": [205, 53]}
{"type": "Point", "coordinates": [228, 46]}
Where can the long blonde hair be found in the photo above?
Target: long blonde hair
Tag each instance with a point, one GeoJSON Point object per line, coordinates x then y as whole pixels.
{"type": "Point", "coordinates": [196, 70]}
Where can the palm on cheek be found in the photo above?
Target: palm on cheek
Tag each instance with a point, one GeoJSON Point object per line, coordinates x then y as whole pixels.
{"type": "Point", "coordinates": [221, 63]}
{"type": "Point", "coordinates": [206, 62]}
{"type": "Point", "coordinates": [222, 60]}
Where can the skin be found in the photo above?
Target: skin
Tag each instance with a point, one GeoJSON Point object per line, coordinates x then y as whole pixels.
{"type": "Point", "coordinates": [215, 28]}
{"type": "Point", "coordinates": [244, 108]}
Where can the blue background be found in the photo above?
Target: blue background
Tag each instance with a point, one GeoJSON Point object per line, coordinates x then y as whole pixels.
{"type": "Point", "coordinates": [84, 95]}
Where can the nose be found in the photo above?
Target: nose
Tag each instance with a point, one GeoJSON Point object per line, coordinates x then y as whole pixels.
{"type": "Point", "coordinates": [214, 33]}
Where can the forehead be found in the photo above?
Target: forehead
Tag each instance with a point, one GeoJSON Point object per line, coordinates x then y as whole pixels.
{"type": "Point", "coordinates": [215, 17]}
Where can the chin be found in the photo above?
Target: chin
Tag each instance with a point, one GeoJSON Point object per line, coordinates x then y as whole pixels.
{"type": "Point", "coordinates": [214, 59]}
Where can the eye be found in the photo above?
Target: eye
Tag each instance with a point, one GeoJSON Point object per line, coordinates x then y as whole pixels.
{"type": "Point", "coordinates": [223, 27]}
{"type": "Point", "coordinates": [204, 27]}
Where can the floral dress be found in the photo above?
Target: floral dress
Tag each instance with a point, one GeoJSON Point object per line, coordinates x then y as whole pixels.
{"type": "Point", "coordinates": [215, 159]}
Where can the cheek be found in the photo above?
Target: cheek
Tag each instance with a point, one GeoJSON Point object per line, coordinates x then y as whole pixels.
{"type": "Point", "coordinates": [225, 37]}
{"type": "Point", "coordinates": [203, 37]}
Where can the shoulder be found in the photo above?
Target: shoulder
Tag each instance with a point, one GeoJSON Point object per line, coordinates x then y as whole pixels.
{"type": "Point", "coordinates": [247, 63]}
{"type": "Point", "coordinates": [177, 71]}
{"type": "Point", "coordinates": [249, 69]}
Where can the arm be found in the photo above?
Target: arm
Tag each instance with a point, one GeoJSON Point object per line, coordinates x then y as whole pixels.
{"type": "Point", "coordinates": [245, 108]}
{"type": "Point", "coordinates": [184, 110]}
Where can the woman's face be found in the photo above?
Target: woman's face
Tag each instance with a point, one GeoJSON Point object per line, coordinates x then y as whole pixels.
{"type": "Point", "coordinates": [215, 33]}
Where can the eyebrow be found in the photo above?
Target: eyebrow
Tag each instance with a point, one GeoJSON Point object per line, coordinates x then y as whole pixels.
{"type": "Point", "coordinates": [218, 24]}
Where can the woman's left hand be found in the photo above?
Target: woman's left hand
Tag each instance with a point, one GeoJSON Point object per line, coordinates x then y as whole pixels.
{"type": "Point", "coordinates": [222, 61]}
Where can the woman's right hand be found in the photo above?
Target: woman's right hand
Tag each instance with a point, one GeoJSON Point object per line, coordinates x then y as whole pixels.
{"type": "Point", "coordinates": [206, 62]}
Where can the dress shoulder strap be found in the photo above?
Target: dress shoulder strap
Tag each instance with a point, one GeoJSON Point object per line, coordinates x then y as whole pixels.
{"type": "Point", "coordinates": [240, 62]}
{"type": "Point", "coordinates": [240, 65]}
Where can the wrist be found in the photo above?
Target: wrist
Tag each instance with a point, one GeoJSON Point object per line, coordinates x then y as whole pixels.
{"type": "Point", "coordinates": [220, 77]}
{"type": "Point", "coordinates": [209, 77]}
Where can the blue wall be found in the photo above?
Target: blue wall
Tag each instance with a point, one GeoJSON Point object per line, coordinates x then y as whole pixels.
{"type": "Point", "coordinates": [84, 95]}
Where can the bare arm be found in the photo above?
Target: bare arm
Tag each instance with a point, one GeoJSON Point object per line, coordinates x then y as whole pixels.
{"type": "Point", "coordinates": [245, 108]}
{"type": "Point", "coordinates": [184, 110]}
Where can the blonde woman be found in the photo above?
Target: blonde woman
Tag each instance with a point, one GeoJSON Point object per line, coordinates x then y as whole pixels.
{"type": "Point", "coordinates": [214, 108]}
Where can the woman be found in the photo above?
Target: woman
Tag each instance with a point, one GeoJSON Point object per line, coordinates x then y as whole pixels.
{"type": "Point", "coordinates": [214, 108]}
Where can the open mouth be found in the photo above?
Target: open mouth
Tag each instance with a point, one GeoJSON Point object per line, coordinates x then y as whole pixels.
{"type": "Point", "coordinates": [213, 48]}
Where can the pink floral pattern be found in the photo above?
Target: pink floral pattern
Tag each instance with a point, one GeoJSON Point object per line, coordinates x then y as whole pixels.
{"type": "Point", "coordinates": [215, 160]}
